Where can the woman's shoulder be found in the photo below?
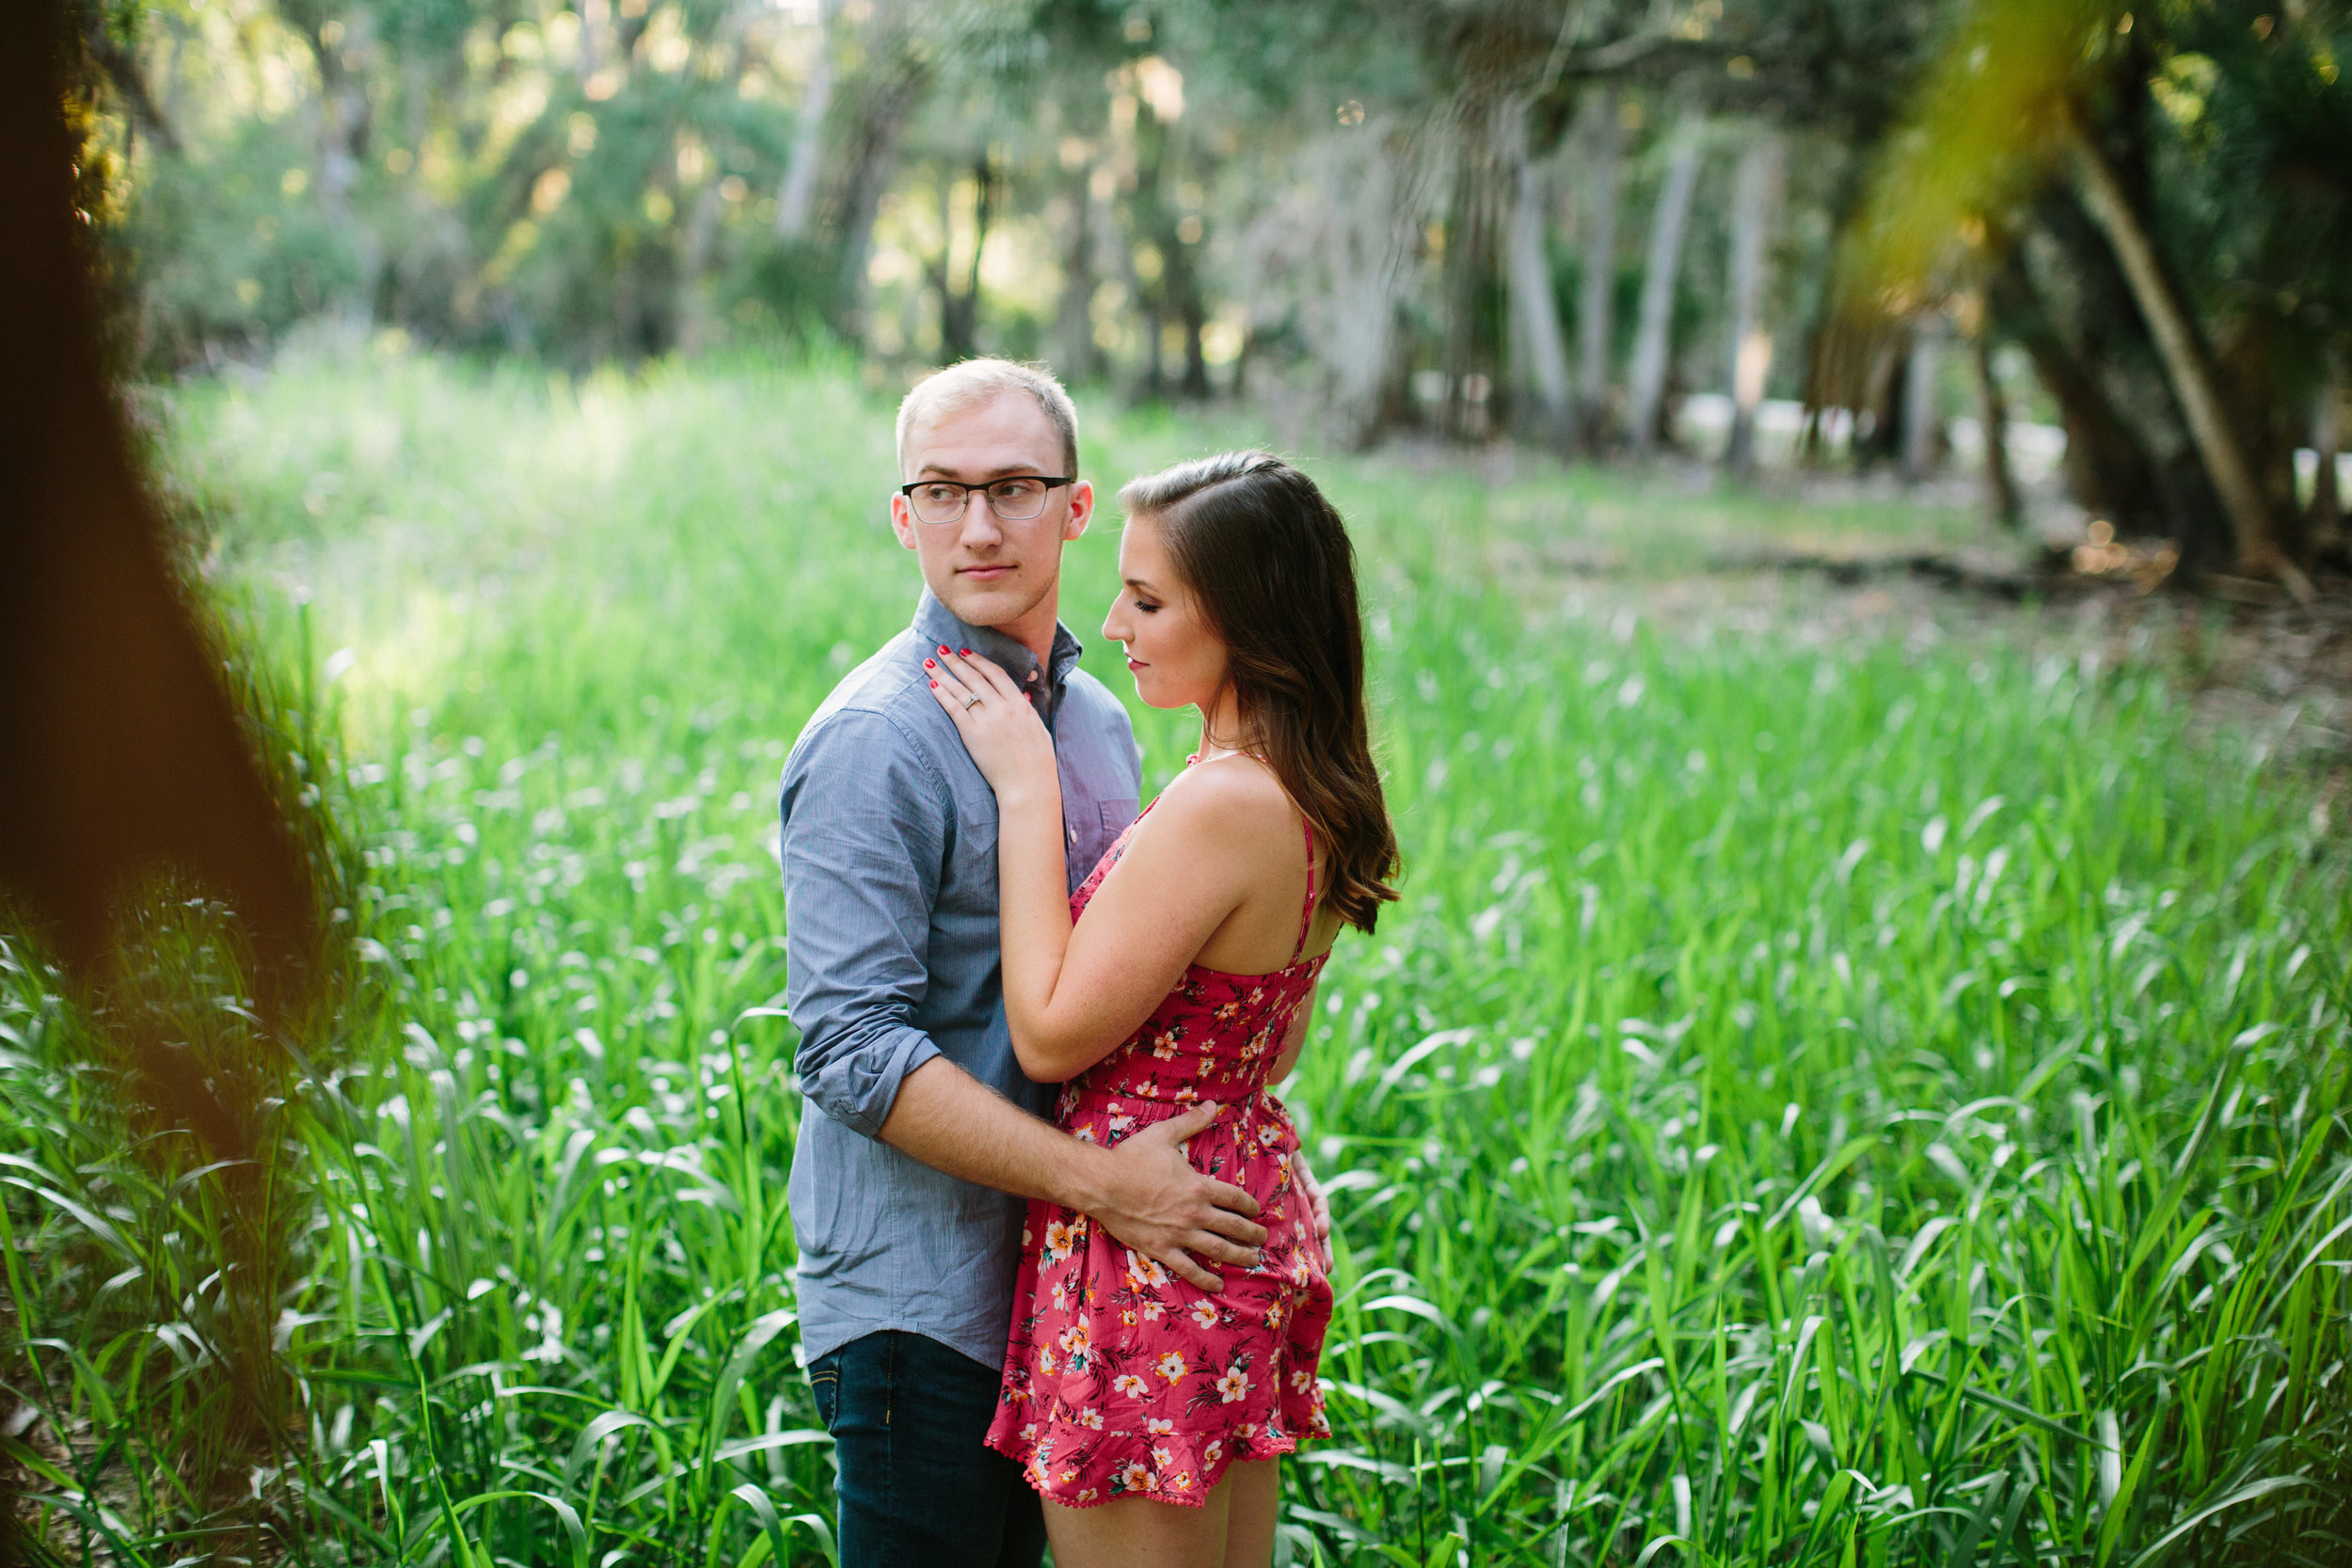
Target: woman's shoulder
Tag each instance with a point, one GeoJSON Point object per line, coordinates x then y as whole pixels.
{"type": "Point", "coordinates": [1230, 793]}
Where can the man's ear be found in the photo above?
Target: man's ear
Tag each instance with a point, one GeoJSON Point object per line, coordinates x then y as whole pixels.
{"type": "Point", "coordinates": [1081, 510]}
{"type": "Point", "coordinates": [901, 520]}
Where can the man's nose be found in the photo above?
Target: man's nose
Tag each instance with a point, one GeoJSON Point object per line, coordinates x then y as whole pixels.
{"type": "Point", "coordinates": [981, 526]}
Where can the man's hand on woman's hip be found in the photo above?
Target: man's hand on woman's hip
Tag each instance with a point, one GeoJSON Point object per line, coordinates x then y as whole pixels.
{"type": "Point", "coordinates": [1153, 1201]}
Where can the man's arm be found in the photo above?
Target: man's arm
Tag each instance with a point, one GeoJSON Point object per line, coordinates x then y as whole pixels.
{"type": "Point", "coordinates": [863, 831]}
{"type": "Point", "coordinates": [1145, 1192]}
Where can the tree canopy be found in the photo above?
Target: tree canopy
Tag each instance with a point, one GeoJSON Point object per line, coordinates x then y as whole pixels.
{"type": "Point", "coordinates": [1554, 217]}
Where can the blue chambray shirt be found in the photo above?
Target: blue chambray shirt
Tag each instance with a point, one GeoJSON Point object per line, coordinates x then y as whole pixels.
{"type": "Point", "coordinates": [889, 852]}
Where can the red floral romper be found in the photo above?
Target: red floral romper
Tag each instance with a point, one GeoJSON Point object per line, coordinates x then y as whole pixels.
{"type": "Point", "coordinates": [1121, 1379]}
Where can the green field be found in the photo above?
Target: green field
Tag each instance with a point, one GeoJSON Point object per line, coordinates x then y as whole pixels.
{"type": "Point", "coordinates": [1818, 1102]}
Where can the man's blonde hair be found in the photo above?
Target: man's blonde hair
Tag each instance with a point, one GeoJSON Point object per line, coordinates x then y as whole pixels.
{"type": "Point", "coordinates": [970, 383]}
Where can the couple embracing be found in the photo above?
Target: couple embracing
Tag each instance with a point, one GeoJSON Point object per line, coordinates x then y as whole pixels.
{"type": "Point", "coordinates": [1062, 1265]}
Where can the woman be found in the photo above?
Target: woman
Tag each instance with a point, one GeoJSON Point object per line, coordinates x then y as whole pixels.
{"type": "Point", "coordinates": [1149, 1413]}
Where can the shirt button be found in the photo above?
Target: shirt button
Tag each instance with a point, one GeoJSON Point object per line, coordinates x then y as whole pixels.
{"type": "Point", "coordinates": [1073, 835]}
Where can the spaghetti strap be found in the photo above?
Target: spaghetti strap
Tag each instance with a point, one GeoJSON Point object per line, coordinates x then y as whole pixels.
{"type": "Point", "coordinates": [1307, 916]}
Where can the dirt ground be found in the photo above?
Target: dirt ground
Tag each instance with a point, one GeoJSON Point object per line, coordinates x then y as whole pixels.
{"type": "Point", "coordinates": [2251, 662]}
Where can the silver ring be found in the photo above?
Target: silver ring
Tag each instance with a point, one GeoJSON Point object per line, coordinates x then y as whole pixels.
{"type": "Point", "coordinates": [971, 701]}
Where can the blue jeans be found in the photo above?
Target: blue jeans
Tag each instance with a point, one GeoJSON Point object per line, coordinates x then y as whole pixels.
{"type": "Point", "coordinates": [919, 1486]}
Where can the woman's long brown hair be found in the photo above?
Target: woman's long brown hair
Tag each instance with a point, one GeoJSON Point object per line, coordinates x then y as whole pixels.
{"type": "Point", "coordinates": [1269, 561]}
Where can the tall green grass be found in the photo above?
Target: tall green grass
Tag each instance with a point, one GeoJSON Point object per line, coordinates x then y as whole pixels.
{"type": "Point", "coordinates": [1816, 1104]}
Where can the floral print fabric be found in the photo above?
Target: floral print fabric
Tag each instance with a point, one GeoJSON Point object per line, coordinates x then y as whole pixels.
{"type": "Point", "coordinates": [1121, 1379]}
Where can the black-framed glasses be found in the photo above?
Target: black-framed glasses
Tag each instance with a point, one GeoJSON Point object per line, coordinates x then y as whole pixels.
{"type": "Point", "coordinates": [1016, 499]}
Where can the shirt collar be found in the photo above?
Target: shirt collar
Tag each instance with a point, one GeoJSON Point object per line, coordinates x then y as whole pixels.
{"type": "Point", "coordinates": [936, 624]}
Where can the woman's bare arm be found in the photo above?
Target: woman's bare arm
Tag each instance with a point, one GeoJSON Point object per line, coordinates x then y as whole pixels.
{"type": "Point", "coordinates": [1072, 996]}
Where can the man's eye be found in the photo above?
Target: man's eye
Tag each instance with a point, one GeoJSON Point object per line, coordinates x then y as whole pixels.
{"type": "Point", "coordinates": [938, 495]}
{"type": "Point", "coordinates": [1016, 489]}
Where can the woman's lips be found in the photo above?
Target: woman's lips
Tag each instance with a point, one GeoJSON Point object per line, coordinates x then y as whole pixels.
{"type": "Point", "coordinates": [1136, 664]}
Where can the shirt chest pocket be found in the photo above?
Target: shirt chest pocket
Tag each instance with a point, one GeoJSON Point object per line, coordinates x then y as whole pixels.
{"type": "Point", "coordinates": [975, 833]}
{"type": "Point", "coordinates": [1093, 833]}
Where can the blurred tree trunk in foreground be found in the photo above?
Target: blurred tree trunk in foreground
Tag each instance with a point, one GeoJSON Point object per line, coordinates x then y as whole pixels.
{"type": "Point", "coordinates": [135, 780]}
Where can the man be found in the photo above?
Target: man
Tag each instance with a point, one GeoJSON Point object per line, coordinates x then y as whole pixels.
{"type": "Point", "coordinates": [922, 1140]}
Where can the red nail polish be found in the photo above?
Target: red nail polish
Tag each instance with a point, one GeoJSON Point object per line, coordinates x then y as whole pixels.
{"type": "Point", "coordinates": [967, 653]}
{"type": "Point", "coordinates": [934, 685]}
{"type": "Point", "coordinates": [927, 664]}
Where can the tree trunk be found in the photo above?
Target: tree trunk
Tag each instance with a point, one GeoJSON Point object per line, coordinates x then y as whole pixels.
{"type": "Point", "coordinates": [1076, 356]}
{"type": "Point", "coordinates": [1654, 330]}
{"type": "Point", "coordinates": [2060, 295]}
{"type": "Point", "coordinates": [893, 86]}
{"type": "Point", "coordinates": [698, 313]}
{"type": "Point", "coordinates": [594, 17]}
{"type": "Point", "coordinates": [2326, 438]}
{"type": "Point", "coordinates": [1923, 426]}
{"type": "Point", "coordinates": [1193, 310]}
{"type": "Point", "coordinates": [697, 307]}
{"type": "Point", "coordinates": [1181, 295]}
{"type": "Point", "coordinates": [797, 194]}
{"type": "Point", "coordinates": [1469, 266]}
{"type": "Point", "coordinates": [960, 308]}
{"type": "Point", "coordinates": [1754, 195]}
{"type": "Point", "coordinates": [1597, 297]}
{"type": "Point", "coordinates": [1543, 353]}
{"type": "Point", "coordinates": [2184, 362]}
{"type": "Point", "coordinates": [346, 121]}
{"type": "Point", "coordinates": [2001, 502]}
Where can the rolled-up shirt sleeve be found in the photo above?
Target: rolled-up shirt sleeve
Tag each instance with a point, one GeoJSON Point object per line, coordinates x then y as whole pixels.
{"type": "Point", "coordinates": [862, 842]}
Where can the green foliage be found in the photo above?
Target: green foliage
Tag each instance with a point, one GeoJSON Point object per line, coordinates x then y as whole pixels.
{"type": "Point", "coordinates": [1864, 1105]}
{"type": "Point", "coordinates": [233, 251]}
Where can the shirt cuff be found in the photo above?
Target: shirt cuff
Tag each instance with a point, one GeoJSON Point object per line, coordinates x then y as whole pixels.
{"type": "Point", "coordinates": [862, 1097]}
